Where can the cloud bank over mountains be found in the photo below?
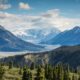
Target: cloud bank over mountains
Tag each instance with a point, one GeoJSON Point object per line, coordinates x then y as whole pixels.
{"type": "Point", "coordinates": [17, 23]}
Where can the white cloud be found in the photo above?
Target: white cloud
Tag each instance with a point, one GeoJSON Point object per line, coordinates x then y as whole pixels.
{"type": "Point", "coordinates": [4, 6]}
{"type": "Point", "coordinates": [52, 18]}
{"type": "Point", "coordinates": [25, 6]}
{"type": "Point", "coordinates": [51, 13]}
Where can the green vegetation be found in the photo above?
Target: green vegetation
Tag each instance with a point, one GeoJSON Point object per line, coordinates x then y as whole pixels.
{"type": "Point", "coordinates": [46, 72]}
{"type": "Point", "coordinates": [10, 65]}
{"type": "Point", "coordinates": [2, 71]}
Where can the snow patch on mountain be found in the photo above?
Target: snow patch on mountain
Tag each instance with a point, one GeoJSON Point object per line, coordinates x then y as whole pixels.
{"type": "Point", "coordinates": [36, 35]}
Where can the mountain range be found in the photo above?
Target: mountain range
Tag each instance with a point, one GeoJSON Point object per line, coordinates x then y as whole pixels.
{"type": "Point", "coordinates": [36, 35]}
{"type": "Point", "coordinates": [68, 37]}
{"type": "Point", "coordinates": [9, 42]}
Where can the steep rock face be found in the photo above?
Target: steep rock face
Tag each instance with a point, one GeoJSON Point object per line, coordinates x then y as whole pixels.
{"type": "Point", "coordinates": [70, 37]}
{"type": "Point", "coordinates": [9, 42]}
{"type": "Point", "coordinates": [66, 54]}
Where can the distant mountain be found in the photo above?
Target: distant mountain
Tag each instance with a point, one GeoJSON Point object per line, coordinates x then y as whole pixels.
{"type": "Point", "coordinates": [65, 54]}
{"type": "Point", "coordinates": [37, 35]}
{"type": "Point", "coordinates": [9, 42]}
{"type": "Point", "coordinates": [69, 37]}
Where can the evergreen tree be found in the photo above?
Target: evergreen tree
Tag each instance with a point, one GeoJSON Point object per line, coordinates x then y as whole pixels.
{"type": "Point", "coordinates": [46, 71]}
{"type": "Point", "coordinates": [54, 73]}
{"type": "Point", "coordinates": [20, 71]}
{"type": "Point", "coordinates": [32, 66]}
{"type": "Point", "coordinates": [30, 76]}
{"type": "Point", "coordinates": [73, 77]}
{"type": "Point", "coordinates": [40, 74]}
{"type": "Point", "coordinates": [10, 65]}
{"type": "Point", "coordinates": [50, 73]}
{"type": "Point", "coordinates": [60, 74]}
{"type": "Point", "coordinates": [79, 78]}
{"type": "Point", "coordinates": [2, 71]}
{"type": "Point", "coordinates": [66, 73]}
{"type": "Point", "coordinates": [25, 74]}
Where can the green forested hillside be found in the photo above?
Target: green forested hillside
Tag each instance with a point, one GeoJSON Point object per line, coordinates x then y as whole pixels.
{"type": "Point", "coordinates": [60, 64]}
{"type": "Point", "coordinates": [66, 54]}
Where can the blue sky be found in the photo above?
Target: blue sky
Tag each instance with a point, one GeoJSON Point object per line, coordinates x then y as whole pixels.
{"type": "Point", "coordinates": [19, 15]}
{"type": "Point", "coordinates": [70, 8]}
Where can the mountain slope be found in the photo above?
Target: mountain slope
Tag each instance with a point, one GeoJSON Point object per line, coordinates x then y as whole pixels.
{"type": "Point", "coordinates": [37, 35]}
{"type": "Point", "coordinates": [70, 37]}
{"type": "Point", "coordinates": [9, 42]}
{"type": "Point", "coordinates": [66, 54]}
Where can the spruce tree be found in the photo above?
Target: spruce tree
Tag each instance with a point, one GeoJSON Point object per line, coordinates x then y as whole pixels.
{"type": "Point", "coordinates": [60, 74]}
{"type": "Point", "coordinates": [40, 74]}
{"type": "Point", "coordinates": [50, 73]}
{"type": "Point", "coordinates": [32, 66]}
{"type": "Point", "coordinates": [25, 75]}
{"type": "Point", "coordinates": [79, 78]}
{"type": "Point", "coordinates": [2, 71]}
{"type": "Point", "coordinates": [20, 71]}
{"type": "Point", "coordinates": [10, 64]}
{"type": "Point", "coordinates": [54, 73]}
{"type": "Point", "coordinates": [46, 71]}
{"type": "Point", "coordinates": [31, 76]}
{"type": "Point", "coordinates": [66, 73]}
{"type": "Point", "coordinates": [73, 77]}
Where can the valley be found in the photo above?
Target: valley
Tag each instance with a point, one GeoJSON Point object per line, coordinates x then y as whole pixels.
{"type": "Point", "coordinates": [39, 39]}
{"type": "Point", "coordinates": [61, 63]}
{"type": "Point", "coordinates": [18, 57]}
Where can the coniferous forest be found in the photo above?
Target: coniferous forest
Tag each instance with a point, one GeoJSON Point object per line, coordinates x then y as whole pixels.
{"type": "Point", "coordinates": [38, 72]}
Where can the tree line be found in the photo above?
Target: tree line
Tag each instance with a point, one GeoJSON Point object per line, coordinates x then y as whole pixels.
{"type": "Point", "coordinates": [44, 72]}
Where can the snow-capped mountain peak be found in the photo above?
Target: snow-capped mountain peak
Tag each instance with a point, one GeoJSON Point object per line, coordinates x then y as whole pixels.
{"type": "Point", "coordinates": [9, 42]}
{"type": "Point", "coordinates": [69, 37]}
{"type": "Point", "coordinates": [37, 35]}
{"type": "Point", "coordinates": [1, 27]}
{"type": "Point", "coordinates": [76, 29]}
